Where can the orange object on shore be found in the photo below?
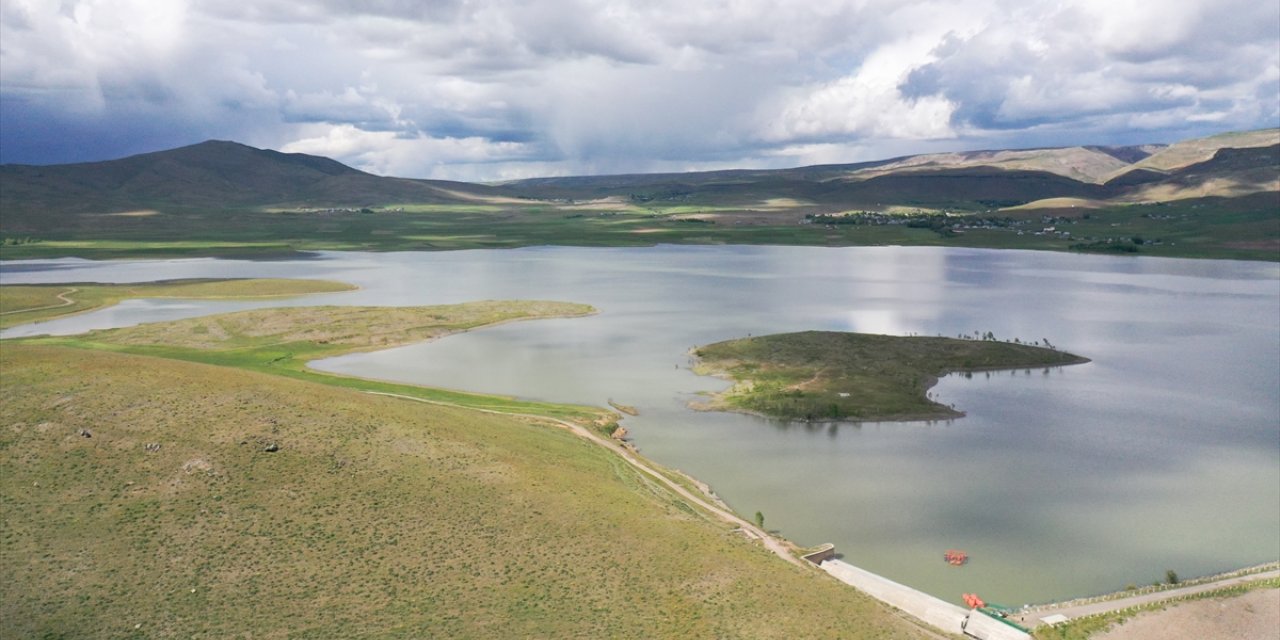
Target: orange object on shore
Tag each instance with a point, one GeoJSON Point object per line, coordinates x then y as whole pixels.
{"type": "Point", "coordinates": [955, 557]}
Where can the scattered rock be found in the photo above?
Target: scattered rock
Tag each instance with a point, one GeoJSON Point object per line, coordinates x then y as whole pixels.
{"type": "Point", "coordinates": [153, 446]}
{"type": "Point", "coordinates": [197, 464]}
{"type": "Point", "coordinates": [619, 434]}
{"type": "Point", "coordinates": [85, 433]}
{"type": "Point", "coordinates": [271, 448]}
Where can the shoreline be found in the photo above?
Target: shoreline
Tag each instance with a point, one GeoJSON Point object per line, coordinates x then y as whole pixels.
{"type": "Point", "coordinates": [305, 252]}
{"type": "Point", "coordinates": [73, 287]}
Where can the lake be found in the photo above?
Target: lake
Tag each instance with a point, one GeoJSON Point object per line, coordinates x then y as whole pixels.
{"type": "Point", "coordinates": [1162, 453]}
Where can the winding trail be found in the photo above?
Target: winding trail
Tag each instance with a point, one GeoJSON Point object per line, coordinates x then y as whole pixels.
{"type": "Point", "coordinates": [66, 302]}
{"type": "Point", "coordinates": [772, 544]}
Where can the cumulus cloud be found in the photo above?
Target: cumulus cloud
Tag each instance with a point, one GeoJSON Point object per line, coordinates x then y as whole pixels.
{"type": "Point", "coordinates": [388, 153]}
{"type": "Point", "coordinates": [1073, 65]}
{"type": "Point", "coordinates": [510, 88]}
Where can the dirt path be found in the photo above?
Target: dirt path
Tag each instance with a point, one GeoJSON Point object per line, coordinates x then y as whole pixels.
{"type": "Point", "coordinates": [66, 302]}
{"type": "Point", "coordinates": [1034, 618]}
{"type": "Point", "coordinates": [772, 544]}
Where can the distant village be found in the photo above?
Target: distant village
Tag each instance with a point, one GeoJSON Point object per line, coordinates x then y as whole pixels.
{"type": "Point", "coordinates": [949, 224]}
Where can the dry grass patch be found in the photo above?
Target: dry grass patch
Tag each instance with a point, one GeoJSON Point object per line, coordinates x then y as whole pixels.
{"type": "Point", "coordinates": [353, 328]}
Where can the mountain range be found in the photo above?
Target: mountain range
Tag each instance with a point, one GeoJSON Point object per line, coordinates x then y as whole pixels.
{"type": "Point", "coordinates": [227, 175]}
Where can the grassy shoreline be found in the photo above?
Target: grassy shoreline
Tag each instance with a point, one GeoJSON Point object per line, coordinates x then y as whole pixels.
{"type": "Point", "coordinates": [371, 517]}
{"type": "Point", "coordinates": [209, 440]}
{"type": "Point", "coordinates": [27, 303]}
{"type": "Point", "coordinates": [279, 353]}
{"type": "Point", "coordinates": [282, 341]}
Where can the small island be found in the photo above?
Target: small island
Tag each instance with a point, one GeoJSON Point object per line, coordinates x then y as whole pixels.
{"type": "Point", "coordinates": [831, 375]}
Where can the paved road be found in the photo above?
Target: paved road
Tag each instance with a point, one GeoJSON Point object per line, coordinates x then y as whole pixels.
{"type": "Point", "coordinates": [1077, 611]}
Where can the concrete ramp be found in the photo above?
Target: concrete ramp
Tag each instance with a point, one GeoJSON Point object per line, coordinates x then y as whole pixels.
{"type": "Point", "coordinates": [985, 627]}
{"type": "Point", "coordinates": [939, 613]}
{"type": "Point", "coordinates": [933, 611]}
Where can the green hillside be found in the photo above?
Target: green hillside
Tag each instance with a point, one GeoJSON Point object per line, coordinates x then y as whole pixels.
{"type": "Point", "coordinates": [148, 497]}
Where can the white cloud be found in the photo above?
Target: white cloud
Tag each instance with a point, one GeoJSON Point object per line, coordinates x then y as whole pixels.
{"type": "Point", "coordinates": [869, 103]}
{"type": "Point", "coordinates": [387, 153]}
{"type": "Point", "coordinates": [577, 86]}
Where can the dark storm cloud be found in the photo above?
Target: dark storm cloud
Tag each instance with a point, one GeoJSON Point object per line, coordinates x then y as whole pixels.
{"type": "Point", "coordinates": [498, 89]}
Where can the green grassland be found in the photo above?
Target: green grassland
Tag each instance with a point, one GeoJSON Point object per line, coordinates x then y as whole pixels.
{"type": "Point", "coordinates": [826, 375]}
{"type": "Point", "coordinates": [140, 500]}
{"type": "Point", "coordinates": [21, 304]}
{"type": "Point", "coordinates": [1240, 228]}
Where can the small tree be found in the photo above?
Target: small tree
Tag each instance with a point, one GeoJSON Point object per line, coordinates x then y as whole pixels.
{"type": "Point", "coordinates": [759, 519]}
{"type": "Point", "coordinates": [1170, 576]}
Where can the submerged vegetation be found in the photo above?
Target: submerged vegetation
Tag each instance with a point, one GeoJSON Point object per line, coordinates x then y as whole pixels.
{"type": "Point", "coordinates": [826, 375]}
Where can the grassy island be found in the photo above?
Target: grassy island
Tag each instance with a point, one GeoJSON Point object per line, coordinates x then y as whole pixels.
{"type": "Point", "coordinates": [826, 375]}
{"type": "Point", "coordinates": [193, 478]}
{"type": "Point", "coordinates": [23, 303]}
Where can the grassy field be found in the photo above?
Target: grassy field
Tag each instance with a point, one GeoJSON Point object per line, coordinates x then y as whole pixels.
{"type": "Point", "coordinates": [824, 375]}
{"type": "Point", "coordinates": [1242, 228]}
{"type": "Point", "coordinates": [142, 499]}
{"type": "Point", "coordinates": [20, 303]}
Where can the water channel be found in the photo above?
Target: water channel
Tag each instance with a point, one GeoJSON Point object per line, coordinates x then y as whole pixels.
{"type": "Point", "coordinates": [1163, 453]}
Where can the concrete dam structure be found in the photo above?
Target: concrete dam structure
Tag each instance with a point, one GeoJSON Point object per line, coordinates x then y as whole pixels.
{"type": "Point", "coordinates": [934, 611]}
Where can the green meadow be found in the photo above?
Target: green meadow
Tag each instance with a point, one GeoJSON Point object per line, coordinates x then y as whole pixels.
{"type": "Point", "coordinates": [1240, 228]}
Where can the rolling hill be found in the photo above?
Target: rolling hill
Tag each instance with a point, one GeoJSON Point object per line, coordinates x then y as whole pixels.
{"type": "Point", "coordinates": [225, 198]}
{"type": "Point", "coordinates": [968, 179]}
{"type": "Point", "coordinates": [213, 175]}
{"type": "Point", "coordinates": [229, 175]}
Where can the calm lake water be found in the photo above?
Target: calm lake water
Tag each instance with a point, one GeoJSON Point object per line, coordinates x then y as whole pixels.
{"type": "Point", "coordinates": [1163, 453]}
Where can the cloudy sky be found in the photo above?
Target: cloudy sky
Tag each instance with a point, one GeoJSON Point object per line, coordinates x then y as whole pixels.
{"type": "Point", "coordinates": [499, 89]}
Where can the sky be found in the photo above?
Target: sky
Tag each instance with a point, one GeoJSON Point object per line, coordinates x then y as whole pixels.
{"type": "Point", "coordinates": [504, 89]}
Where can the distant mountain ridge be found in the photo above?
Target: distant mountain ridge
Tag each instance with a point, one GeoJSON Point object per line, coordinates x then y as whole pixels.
{"type": "Point", "coordinates": [217, 175]}
{"type": "Point", "coordinates": [213, 174]}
